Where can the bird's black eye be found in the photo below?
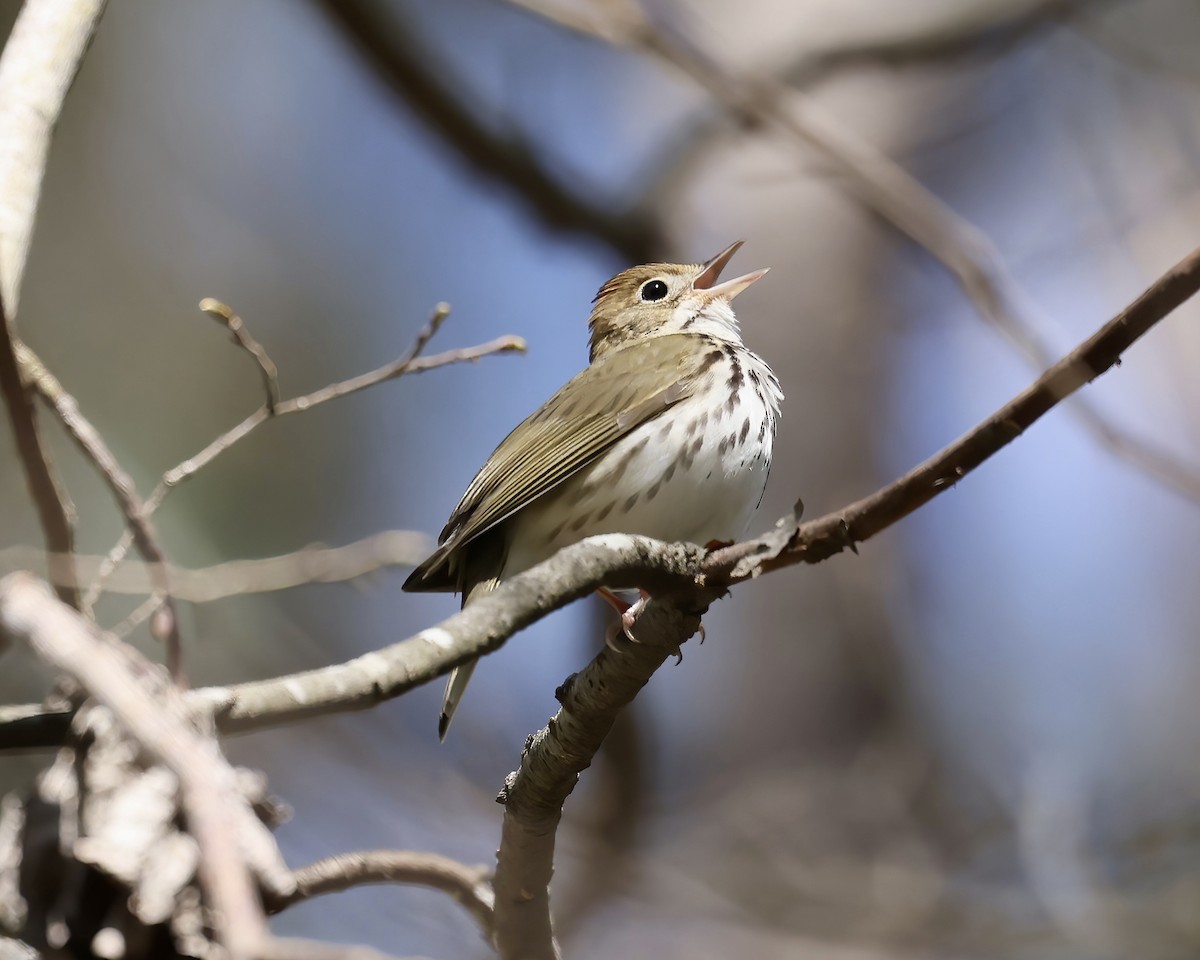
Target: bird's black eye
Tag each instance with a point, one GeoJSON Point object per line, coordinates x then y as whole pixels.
{"type": "Point", "coordinates": [653, 290]}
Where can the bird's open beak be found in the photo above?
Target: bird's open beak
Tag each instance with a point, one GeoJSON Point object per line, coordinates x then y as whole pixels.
{"type": "Point", "coordinates": [707, 281]}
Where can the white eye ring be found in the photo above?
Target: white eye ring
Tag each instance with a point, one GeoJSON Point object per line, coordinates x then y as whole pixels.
{"type": "Point", "coordinates": [653, 290]}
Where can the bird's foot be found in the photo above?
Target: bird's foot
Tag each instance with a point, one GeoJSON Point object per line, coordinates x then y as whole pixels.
{"type": "Point", "coordinates": [612, 599]}
{"type": "Point", "coordinates": [629, 612]}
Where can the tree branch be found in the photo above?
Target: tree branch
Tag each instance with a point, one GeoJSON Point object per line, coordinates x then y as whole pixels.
{"type": "Point", "coordinates": [666, 570]}
{"type": "Point", "coordinates": [165, 624]}
{"type": "Point", "coordinates": [428, 86]}
{"type": "Point", "coordinates": [316, 564]}
{"type": "Point", "coordinates": [242, 336]}
{"type": "Point", "coordinates": [39, 61]}
{"type": "Point", "coordinates": [410, 362]}
{"type": "Point", "coordinates": [55, 511]}
{"type": "Point", "coordinates": [554, 757]}
{"type": "Point", "coordinates": [239, 863]}
{"type": "Point", "coordinates": [879, 183]}
{"type": "Point", "coordinates": [157, 717]}
{"type": "Point", "coordinates": [469, 886]}
{"type": "Point", "coordinates": [37, 67]}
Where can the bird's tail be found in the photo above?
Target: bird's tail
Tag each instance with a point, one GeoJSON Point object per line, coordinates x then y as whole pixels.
{"type": "Point", "coordinates": [460, 676]}
{"type": "Point", "coordinates": [456, 686]}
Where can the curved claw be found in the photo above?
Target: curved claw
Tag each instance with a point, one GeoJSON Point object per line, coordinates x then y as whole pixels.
{"type": "Point", "coordinates": [629, 618]}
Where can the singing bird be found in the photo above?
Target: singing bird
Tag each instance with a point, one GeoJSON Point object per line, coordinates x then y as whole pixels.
{"type": "Point", "coordinates": [667, 433]}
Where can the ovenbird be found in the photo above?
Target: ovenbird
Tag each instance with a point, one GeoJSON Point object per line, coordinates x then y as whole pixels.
{"type": "Point", "coordinates": [667, 433]}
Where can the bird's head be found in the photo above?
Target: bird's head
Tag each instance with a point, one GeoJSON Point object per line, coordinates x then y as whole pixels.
{"type": "Point", "coordinates": [663, 298]}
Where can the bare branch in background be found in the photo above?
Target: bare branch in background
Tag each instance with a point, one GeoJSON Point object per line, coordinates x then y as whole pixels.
{"type": "Point", "coordinates": [410, 362]}
{"type": "Point", "coordinates": [469, 886]}
{"type": "Point", "coordinates": [973, 32]}
{"type": "Point", "coordinates": [426, 83]}
{"type": "Point", "coordinates": [37, 67]}
{"type": "Point", "coordinates": [818, 539]}
{"type": "Point", "coordinates": [238, 861]}
{"type": "Point", "coordinates": [315, 564]}
{"type": "Point", "coordinates": [56, 513]}
{"type": "Point", "coordinates": [165, 623]}
{"type": "Point", "coordinates": [882, 185]}
{"type": "Point", "coordinates": [158, 718]}
{"type": "Point", "coordinates": [244, 339]}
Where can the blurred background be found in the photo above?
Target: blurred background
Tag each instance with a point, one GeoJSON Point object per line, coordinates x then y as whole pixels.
{"type": "Point", "coordinates": [976, 738]}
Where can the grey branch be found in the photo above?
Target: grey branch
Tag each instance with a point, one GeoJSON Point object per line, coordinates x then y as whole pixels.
{"type": "Point", "coordinates": [314, 564]}
{"type": "Point", "coordinates": [879, 183]}
{"type": "Point", "coordinates": [238, 858]}
{"type": "Point", "coordinates": [242, 336]}
{"type": "Point", "coordinates": [410, 362]}
{"type": "Point", "coordinates": [165, 623]}
{"type": "Point", "coordinates": [428, 85]}
{"type": "Point", "coordinates": [663, 569]}
{"type": "Point", "coordinates": [56, 513]}
{"type": "Point", "coordinates": [37, 66]}
{"type": "Point", "coordinates": [158, 718]}
{"type": "Point", "coordinates": [39, 63]}
{"type": "Point", "coordinates": [469, 886]}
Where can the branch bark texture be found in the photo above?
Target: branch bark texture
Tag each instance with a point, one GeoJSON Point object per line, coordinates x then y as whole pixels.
{"type": "Point", "coordinates": [37, 67]}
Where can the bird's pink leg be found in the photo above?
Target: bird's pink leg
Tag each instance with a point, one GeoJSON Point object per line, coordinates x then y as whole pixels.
{"type": "Point", "coordinates": [629, 613]}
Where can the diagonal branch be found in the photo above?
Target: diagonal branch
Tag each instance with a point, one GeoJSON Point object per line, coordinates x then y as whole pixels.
{"type": "Point", "coordinates": [38, 64]}
{"type": "Point", "coordinates": [314, 564]}
{"type": "Point", "coordinates": [878, 182]}
{"type": "Point", "coordinates": [410, 362]}
{"type": "Point", "coordinates": [239, 863]}
{"type": "Point", "coordinates": [553, 758]}
{"type": "Point", "coordinates": [829, 535]}
{"type": "Point", "coordinates": [428, 86]}
{"type": "Point", "coordinates": [55, 511]}
{"type": "Point", "coordinates": [666, 570]}
{"type": "Point", "coordinates": [157, 717]}
{"type": "Point", "coordinates": [89, 440]}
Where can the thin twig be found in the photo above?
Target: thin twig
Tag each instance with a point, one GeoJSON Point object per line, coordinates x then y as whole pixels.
{"type": "Point", "coordinates": [165, 624]}
{"type": "Point", "coordinates": [225, 316]}
{"type": "Point", "coordinates": [410, 362]}
{"type": "Point", "coordinates": [55, 511]}
{"type": "Point", "coordinates": [470, 886]}
{"type": "Point", "coordinates": [313, 564]}
{"type": "Point", "coordinates": [38, 63]}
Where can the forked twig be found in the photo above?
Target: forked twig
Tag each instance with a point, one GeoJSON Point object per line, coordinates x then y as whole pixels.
{"type": "Point", "coordinates": [165, 622]}
{"type": "Point", "coordinates": [244, 339]}
{"type": "Point", "coordinates": [410, 362]}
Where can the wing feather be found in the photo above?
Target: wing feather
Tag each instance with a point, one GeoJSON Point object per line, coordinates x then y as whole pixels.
{"type": "Point", "coordinates": [584, 418]}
